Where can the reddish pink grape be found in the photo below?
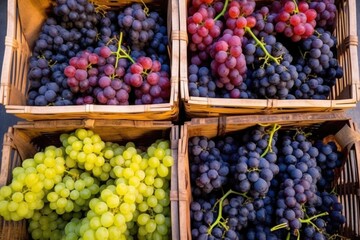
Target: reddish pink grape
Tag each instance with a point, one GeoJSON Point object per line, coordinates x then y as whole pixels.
{"type": "Point", "coordinates": [93, 80]}
{"type": "Point", "coordinates": [299, 29]}
{"type": "Point", "coordinates": [101, 97]}
{"type": "Point", "coordinates": [113, 101]}
{"type": "Point", "coordinates": [101, 61]}
{"type": "Point", "coordinates": [241, 22]}
{"type": "Point", "coordinates": [72, 82]}
{"type": "Point", "coordinates": [295, 20]}
{"type": "Point", "coordinates": [136, 68]}
{"type": "Point", "coordinates": [197, 18]}
{"type": "Point", "coordinates": [81, 74]}
{"type": "Point", "coordinates": [164, 82]}
{"type": "Point", "coordinates": [93, 58]}
{"type": "Point", "coordinates": [82, 63]}
{"type": "Point", "coordinates": [221, 46]}
{"type": "Point", "coordinates": [251, 21]}
{"type": "Point", "coordinates": [145, 88]}
{"type": "Point", "coordinates": [289, 7]}
{"type": "Point", "coordinates": [93, 71]}
{"type": "Point", "coordinates": [153, 78]}
{"type": "Point", "coordinates": [109, 69]}
{"type": "Point", "coordinates": [209, 23]}
{"type": "Point", "coordinates": [73, 61]}
{"type": "Point", "coordinates": [122, 96]}
{"type": "Point", "coordinates": [120, 71]}
{"type": "Point", "coordinates": [234, 12]}
{"type": "Point", "coordinates": [221, 56]}
{"type": "Point", "coordinates": [116, 84]}
{"type": "Point", "coordinates": [303, 6]}
{"type": "Point", "coordinates": [136, 80]}
{"type": "Point", "coordinates": [104, 81]}
{"type": "Point", "coordinates": [69, 71]}
{"type": "Point", "coordinates": [84, 85]}
{"type": "Point", "coordinates": [192, 28]}
{"type": "Point", "coordinates": [146, 62]}
{"type": "Point", "coordinates": [310, 15]}
{"type": "Point", "coordinates": [109, 92]}
{"type": "Point", "coordinates": [156, 66]}
{"type": "Point", "coordinates": [155, 91]}
{"type": "Point", "coordinates": [88, 100]}
{"type": "Point", "coordinates": [105, 52]}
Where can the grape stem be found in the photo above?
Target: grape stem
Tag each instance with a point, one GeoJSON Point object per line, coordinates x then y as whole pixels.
{"type": "Point", "coordinates": [121, 53]}
{"type": "Point", "coordinates": [275, 128]}
{"type": "Point", "coordinates": [220, 220]}
{"type": "Point", "coordinates": [296, 7]}
{"type": "Point", "coordinates": [261, 44]}
{"type": "Point", "coordinates": [222, 11]}
{"type": "Point", "coordinates": [146, 9]}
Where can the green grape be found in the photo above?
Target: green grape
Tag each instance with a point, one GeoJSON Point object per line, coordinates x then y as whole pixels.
{"type": "Point", "coordinates": [106, 167]}
{"type": "Point", "coordinates": [52, 197]}
{"type": "Point", "coordinates": [85, 193]}
{"type": "Point", "coordinates": [108, 153]}
{"type": "Point", "coordinates": [70, 163]}
{"type": "Point", "coordinates": [65, 193]}
{"type": "Point", "coordinates": [142, 187]}
{"type": "Point", "coordinates": [61, 202]}
{"type": "Point", "coordinates": [162, 229]}
{"type": "Point", "coordinates": [95, 223]}
{"type": "Point", "coordinates": [124, 208]}
{"type": "Point", "coordinates": [17, 197]}
{"type": "Point", "coordinates": [89, 234]}
{"type": "Point", "coordinates": [151, 172]}
{"type": "Point", "coordinates": [159, 153]}
{"type": "Point", "coordinates": [149, 191]}
{"type": "Point", "coordinates": [149, 180]}
{"type": "Point", "coordinates": [144, 164]}
{"type": "Point", "coordinates": [119, 220]}
{"type": "Point", "coordinates": [162, 170]}
{"type": "Point", "coordinates": [134, 166]}
{"type": "Point", "coordinates": [134, 181]}
{"type": "Point", "coordinates": [118, 171]}
{"type": "Point", "coordinates": [168, 161]}
{"type": "Point", "coordinates": [113, 201]}
{"type": "Point", "coordinates": [160, 193]}
{"type": "Point", "coordinates": [129, 198]}
{"type": "Point", "coordinates": [79, 184]}
{"type": "Point", "coordinates": [128, 172]}
{"type": "Point", "coordinates": [150, 226]}
{"type": "Point", "coordinates": [154, 162]}
{"type": "Point", "coordinates": [73, 154]}
{"type": "Point", "coordinates": [97, 171]}
{"type": "Point", "coordinates": [99, 161]}
{"type": "Point", "coordinates": [152, 201]}
{"type": "Point", "coordinates": [100, 208]}
{"type": "Point", "coordinates": [74, 194]}
{"type": "Point", "coordinates": [16, 186]}
{"type": "Point", "coordinates": [143, 219]}
{"type": "Point", "coordinates": [12, 206]}
{"type": "Point", "coordinates": [158, 208]}
{"type": "Point", "coordinates": [94, 189]}
{"type": "Point", "coordinates": [159, 219]}
{"type": "Point", "coordinates": [158, 182]}
{"type": "Point", "coordinates": [107, 219]}
{"type": "Point", "coordinates": [116, 232]}
{"type": "Point", "coordinates": [102, 233]}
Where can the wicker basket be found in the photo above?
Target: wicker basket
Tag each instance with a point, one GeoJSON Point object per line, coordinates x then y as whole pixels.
{"type": "Point", "coordinates": [25, 139]}
{"type": "Point", "coordinates": [344, 94]}
{"type": "Point", "coordinates": [347, 185]}
{"type": "Point", "coordinates": [24, 22]}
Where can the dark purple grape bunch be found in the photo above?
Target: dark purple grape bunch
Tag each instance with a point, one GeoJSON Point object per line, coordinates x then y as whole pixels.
{"type": "Point", "coordinates": [256, 161]}
{"type": "Point", "coordinates": [208, 171]}
{"type": "Point", "coordinates": [201, 83]}
{"type": "Point", "coordinates": [328, 160]}
{"type": "Point", "coordinates": [80, 15]}
{"type": "Point", "coordinates": [139, 25]}
{"type": "Point", "coordinates": [272, 74]}
{"type": "Point", "coordinates": [298, 176]}
{"type": "Point", "coordinates": [330, 204]}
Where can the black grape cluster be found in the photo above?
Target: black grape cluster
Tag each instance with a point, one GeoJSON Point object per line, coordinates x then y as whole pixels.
{"type": "Point", "coordinates": [253, 171]}
{"type": "Point", "coordinates": [264, 22]}
{"type": "Point", "coordinates": [328, 160]}
{"type": "Point", "coordinates": [271, 71]}
{"type": "Point", "coordinates": [108, 29]}
{"type": "Point", "coordinates": [139, 25]}
{"type": "Point", "coordinates": [208, 170]}
{"type": "Point", "coordinates": [317, 66]}
{"type": "Point", "coordinates": [200, 81]}
{"type": "Point", "coordinates": [80, 15]}
{"type": "Point", "coordinates": [299, 175]}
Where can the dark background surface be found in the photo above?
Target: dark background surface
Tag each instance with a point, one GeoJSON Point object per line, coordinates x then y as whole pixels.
{"type": "Point", "coordinates": [7, 120]}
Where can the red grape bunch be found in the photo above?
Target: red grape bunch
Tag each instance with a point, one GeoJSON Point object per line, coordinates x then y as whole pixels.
{"type": "Point", "coordinates": [203, 25]}
{"type": "Point", "coordinates": [295, 21]}
{"type": "Point", "coordinates": [238, 16]}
